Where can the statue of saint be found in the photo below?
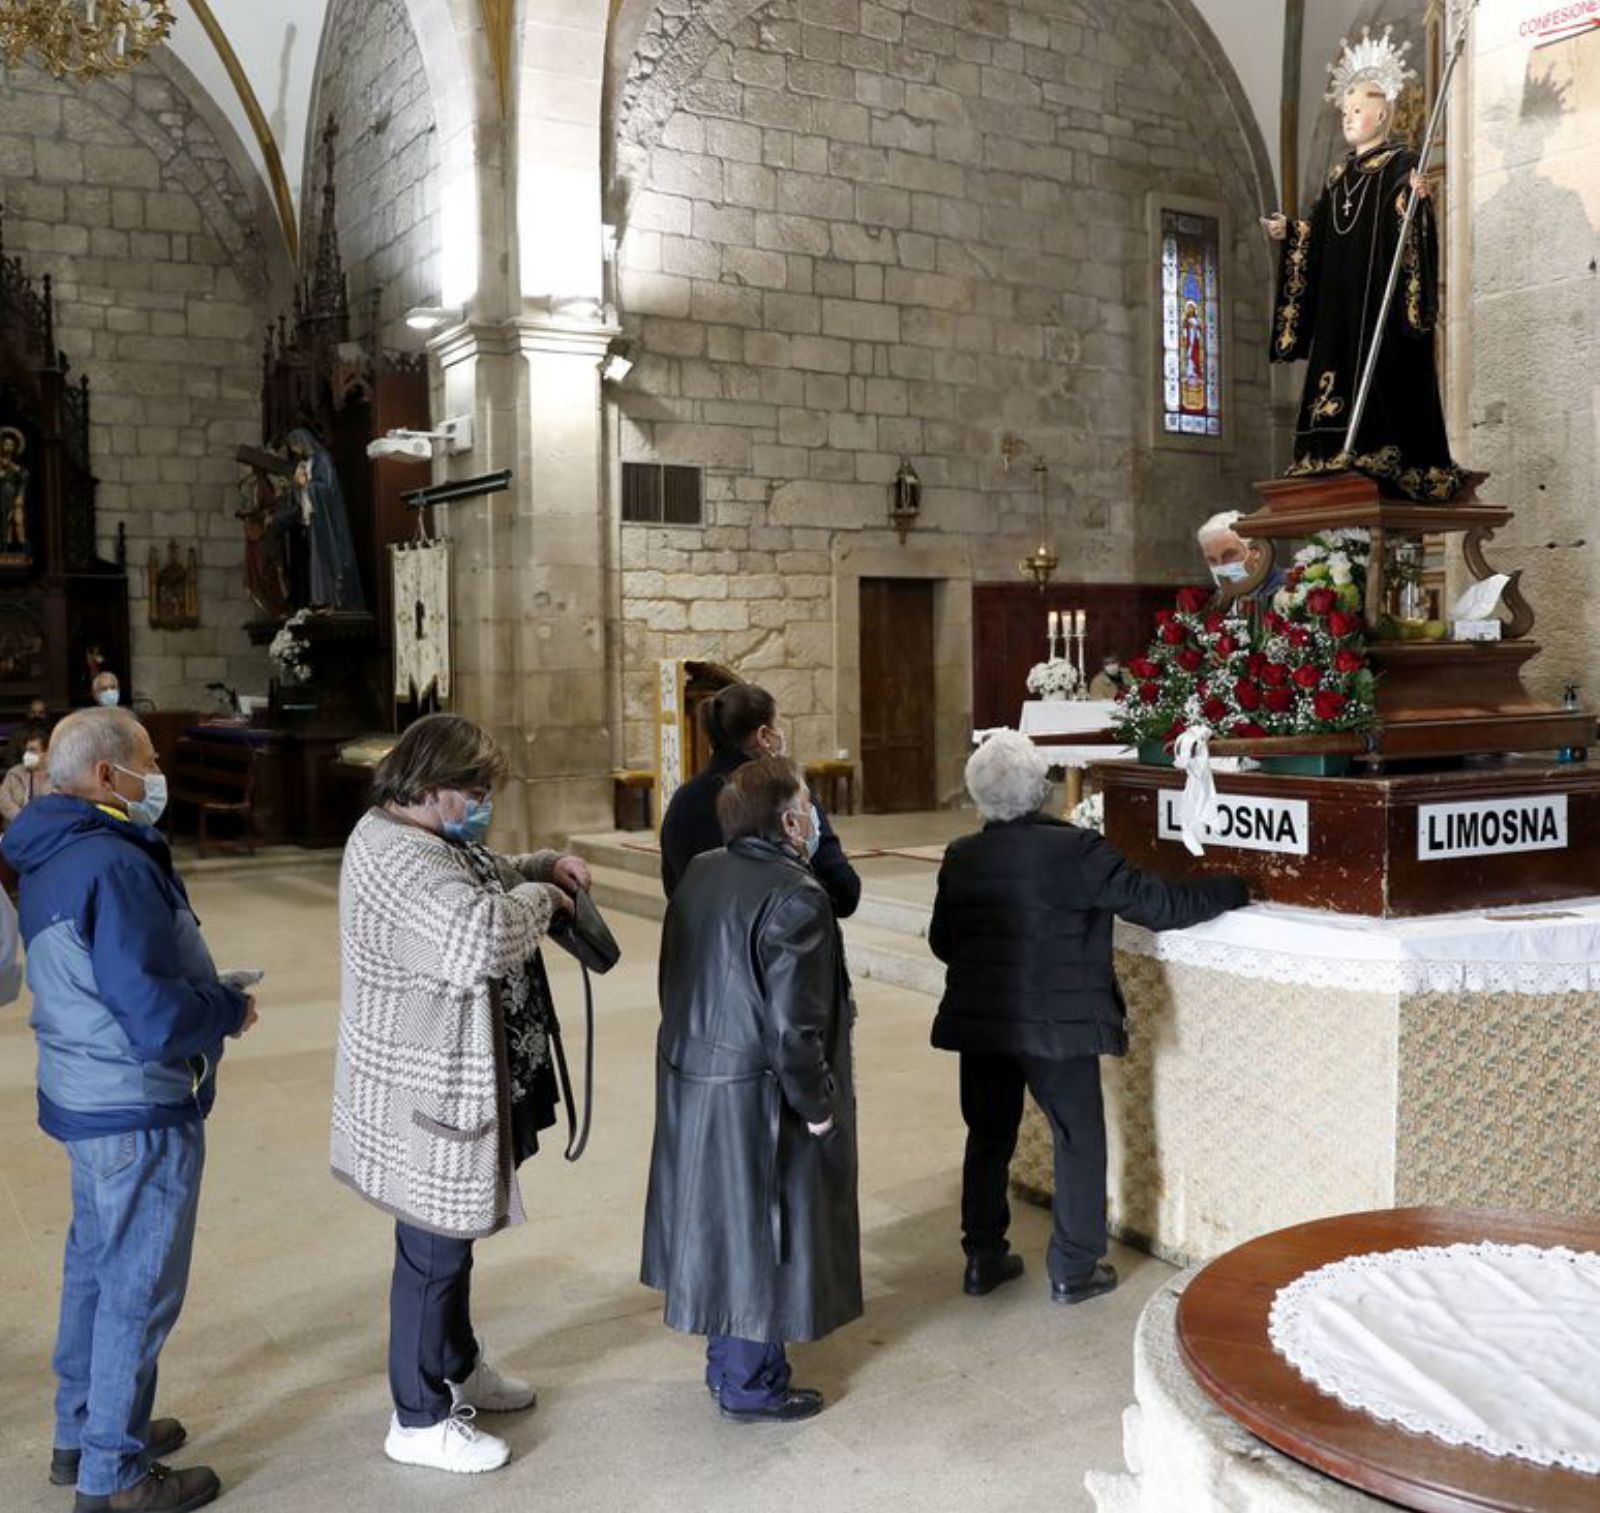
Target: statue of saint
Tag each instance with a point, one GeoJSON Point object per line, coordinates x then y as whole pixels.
{"type": "Point", "coordinates": [13, 494]}
{"type": "Point", "coordinates": [1331, 281]}
{"type": "Point", "coordinates": [266, 511]}
{"type": "Point", "coordinates": [335, 579]}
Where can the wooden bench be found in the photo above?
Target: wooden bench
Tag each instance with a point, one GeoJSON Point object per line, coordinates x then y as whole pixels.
{"type": "Point", "coordinates": [835, 782]}
{"type": "Point", "coordinates": [218, 778]}
{"type": "Point", "coordinates": [631, 799]}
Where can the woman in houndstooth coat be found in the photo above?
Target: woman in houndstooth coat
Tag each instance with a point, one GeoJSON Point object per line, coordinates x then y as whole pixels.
{"type": "Point", "coordinates": [444, 1077]}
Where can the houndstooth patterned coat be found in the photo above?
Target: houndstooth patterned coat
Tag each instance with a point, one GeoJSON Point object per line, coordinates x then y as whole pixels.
{"type": "Point", "coordinates": [421, 1126]}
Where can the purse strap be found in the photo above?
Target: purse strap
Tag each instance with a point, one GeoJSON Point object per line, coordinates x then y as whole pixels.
{"type": "Point", "coordinates": [577, 1135]}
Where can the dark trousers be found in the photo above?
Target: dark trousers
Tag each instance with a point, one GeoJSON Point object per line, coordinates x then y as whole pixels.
{"type": "Point", "coordinates": [431, 1342]}
{"type": "Point", "coordinates": [991, 1103]}
{"type": "Point", "coordinates": [745, 1373]}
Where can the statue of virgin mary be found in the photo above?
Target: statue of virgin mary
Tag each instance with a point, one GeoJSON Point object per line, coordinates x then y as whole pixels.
{"type": "Point", "coordinates": [335, 580]}
{"type": "Point", "coordinates": [1331, 283]}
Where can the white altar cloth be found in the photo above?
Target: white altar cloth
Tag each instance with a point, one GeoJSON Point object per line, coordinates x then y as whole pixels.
{"type": "Point", "coordinates": [1067, 716]}
{"type": "Point", "coordinates": [1531, 949]}
{"type": "Point", "coordinates": [1492, 1346]}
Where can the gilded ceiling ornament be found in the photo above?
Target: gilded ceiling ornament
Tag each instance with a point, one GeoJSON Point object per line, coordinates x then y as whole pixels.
{"type": "Point", "coordinates": [82, 38]}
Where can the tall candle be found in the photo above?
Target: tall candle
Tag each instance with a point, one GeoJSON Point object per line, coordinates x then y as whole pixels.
{"type": "Point", "coordinates": [1052, 622]}
{"type": "Point", "coordinates": [1082, 622]}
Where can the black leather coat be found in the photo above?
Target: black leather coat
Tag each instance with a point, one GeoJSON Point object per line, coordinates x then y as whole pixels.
{"type": "Point", "coordinates": [751, 1227]}
{"type": "Point", "coordinates": [1023, 921]}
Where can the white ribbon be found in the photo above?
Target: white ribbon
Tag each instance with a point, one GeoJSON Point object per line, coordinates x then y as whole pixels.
{"type": "Point", "coordinates": [1197, 806]}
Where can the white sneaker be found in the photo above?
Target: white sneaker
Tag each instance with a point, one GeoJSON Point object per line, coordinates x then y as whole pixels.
{"type": "Point", "coordinates": [490, 1392]}
{"type": "Point", "coordinates": [451, 1445]}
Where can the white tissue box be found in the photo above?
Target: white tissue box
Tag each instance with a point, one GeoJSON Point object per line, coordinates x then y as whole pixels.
{"type": "Point", "coordinates": [1476, 630]}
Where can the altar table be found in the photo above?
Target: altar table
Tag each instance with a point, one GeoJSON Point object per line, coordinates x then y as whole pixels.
{"type": "Point", "coordinates": [1288, 1064]}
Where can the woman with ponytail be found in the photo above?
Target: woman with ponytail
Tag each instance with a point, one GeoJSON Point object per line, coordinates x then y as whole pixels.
{"type": "Point", "coordinates": [742, 722]}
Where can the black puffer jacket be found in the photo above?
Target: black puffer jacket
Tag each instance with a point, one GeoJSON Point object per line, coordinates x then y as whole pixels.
{"type": "Point", "coordinates": [751, 1226]}
{"type": "Point", "coordinates": [1022, 922]}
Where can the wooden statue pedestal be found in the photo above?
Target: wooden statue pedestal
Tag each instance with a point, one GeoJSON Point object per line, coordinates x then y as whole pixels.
{"type": "Point", "coordinates": [1490, 833]}
{"type": "Point", "coordinates": [1435, 698]}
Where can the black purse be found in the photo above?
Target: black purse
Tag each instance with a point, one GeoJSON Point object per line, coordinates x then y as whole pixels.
{"type": "Point", "coordinates": [584, 935]}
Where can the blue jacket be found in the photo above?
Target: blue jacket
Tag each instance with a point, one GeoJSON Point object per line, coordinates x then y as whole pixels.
{"type": "Point", "coordinates": [127, 1007]}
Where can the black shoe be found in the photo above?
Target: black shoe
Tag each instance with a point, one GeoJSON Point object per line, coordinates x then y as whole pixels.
{"type": "Point", "coordinates": [166, 1434]}
{"type": "Point", "coordinates": [985, 1273]}
{"type": "Point", "coordinates": [163, 1490]}
{"type": "Point", "coordinates": [1102, 1280]}
{"type": "Point", "coordinates": [795, 1404]}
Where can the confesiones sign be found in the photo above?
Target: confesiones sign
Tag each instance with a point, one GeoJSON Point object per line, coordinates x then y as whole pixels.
{"type": "Point", "coordinates": [1491, 827]}
{"type": "Point", "coordinates": [1245, 822]}
{"type": "Point", "coordinates": [1535, 23]}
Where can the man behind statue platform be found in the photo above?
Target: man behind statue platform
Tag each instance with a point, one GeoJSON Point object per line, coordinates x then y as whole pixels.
{"type": "Point", "coordinates": [1331, 285]}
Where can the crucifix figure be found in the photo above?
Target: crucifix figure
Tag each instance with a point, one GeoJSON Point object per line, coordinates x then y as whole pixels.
{"type": "Point", "coordinates": [1331, 285]}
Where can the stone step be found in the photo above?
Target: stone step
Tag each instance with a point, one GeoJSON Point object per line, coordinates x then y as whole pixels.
{"type": "Point", "coordinates": [892, 957]}
{"type": "Point", "coordinates": [617, 889]}
{"type": "Point", "coordinates": [624, 851]}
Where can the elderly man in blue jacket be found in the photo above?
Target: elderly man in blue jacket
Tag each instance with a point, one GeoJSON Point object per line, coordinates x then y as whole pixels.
{"type": "Point", "coordinates": [130, 1017]}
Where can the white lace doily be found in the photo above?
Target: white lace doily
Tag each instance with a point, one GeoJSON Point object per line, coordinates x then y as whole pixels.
{"type": "Point", "coordinates": [1492, 1346]}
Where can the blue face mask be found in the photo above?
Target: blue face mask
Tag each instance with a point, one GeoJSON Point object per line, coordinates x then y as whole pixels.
{"type": "Point", "coordinates": [473, 826]}
{"type": "Point", "coordinates": [149, 809]}
{"type": "Point", "coordinates": [109, 698]}
{"type": "Point", "coordinates": [1230, 572]}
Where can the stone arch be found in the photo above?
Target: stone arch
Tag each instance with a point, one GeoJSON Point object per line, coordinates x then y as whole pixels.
{"type": "Point", "coordinates": [658, 52]}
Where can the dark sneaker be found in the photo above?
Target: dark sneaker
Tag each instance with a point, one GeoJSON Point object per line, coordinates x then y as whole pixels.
{"type": "Point", "coordinates": [166, 1435]}
{"type": "Point", "coordinates": [1102, 1280]}
{"type": "Point", "coordinates": [163, 1490]}
{"type": "Point", "coordinates": [985, 1273]}
{"type": "Point", "coordinates": [795, 1404]}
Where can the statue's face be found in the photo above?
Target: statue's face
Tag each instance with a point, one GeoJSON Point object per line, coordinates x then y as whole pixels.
{"type": "Point", "coordinates": [1366, 115]}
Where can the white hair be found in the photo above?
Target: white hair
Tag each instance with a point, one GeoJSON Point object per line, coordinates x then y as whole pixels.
{"type": "Point", "coordinates": [1008, 776]}
{"type": "Point", "coordinates": [1223, 521]}
{"type": "Point", "coordinates": [88, 737]}
{"type": "Point", "coordinates": [106, 679]}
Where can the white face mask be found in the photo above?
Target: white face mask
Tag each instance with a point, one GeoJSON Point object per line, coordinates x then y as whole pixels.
{"type": "Point", "coordinates": [109, 697]}
{"type": "Point", "coordinates": [1230, 572]}
{"type": "Point", "coordinates": [31, 759]}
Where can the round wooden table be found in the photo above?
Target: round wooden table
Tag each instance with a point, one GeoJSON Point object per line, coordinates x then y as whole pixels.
{"type": "Point", "coordinates": [1222, 1331]}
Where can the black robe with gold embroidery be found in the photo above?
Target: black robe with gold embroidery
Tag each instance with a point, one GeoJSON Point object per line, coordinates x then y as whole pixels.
{"type": "Point", "coordinates": [1330, 288]}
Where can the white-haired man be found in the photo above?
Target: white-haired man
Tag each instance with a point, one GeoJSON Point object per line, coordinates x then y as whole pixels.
{"type": "Point", "coordinates": [130, 1018]}
{"type": "Point", "coordinates": [106, 690]}
{"type": "Point", "coordinates": [1022, 921]}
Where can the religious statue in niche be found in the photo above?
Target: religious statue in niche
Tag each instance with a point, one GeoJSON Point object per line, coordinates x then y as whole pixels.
{"type": "Point", "coordinates": [334, 579]}
{"type": "Point", "coordinates": [21, 646]}
{"type": "Point", "coordinates": [174, 589]}
{"type": "Point", "coordinates": [15, 550]}
{"type": "Point", "coordinates": [1332, 276]}
{"type": "Point", "coordinates": [266, 510]}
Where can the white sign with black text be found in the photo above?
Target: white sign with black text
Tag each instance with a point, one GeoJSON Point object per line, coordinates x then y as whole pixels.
{"type": "Point", "coordinates": [1491, 827]}
{"type": "Point", "coordinates": [1245, 822]}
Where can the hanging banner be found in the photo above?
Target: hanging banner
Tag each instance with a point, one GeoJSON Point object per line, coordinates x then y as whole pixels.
{"type": "Point", "coordinates": [421, 573]}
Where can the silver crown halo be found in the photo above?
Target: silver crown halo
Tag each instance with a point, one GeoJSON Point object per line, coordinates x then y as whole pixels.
{"type": "Point", "coordinates": [1372, 60]}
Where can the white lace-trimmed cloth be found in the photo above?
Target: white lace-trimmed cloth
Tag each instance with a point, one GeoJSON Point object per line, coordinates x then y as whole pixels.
{"type": "Point", "coordinates": [1530, 948]}
{"type": "Point", "coordinates": [1492, 1346]}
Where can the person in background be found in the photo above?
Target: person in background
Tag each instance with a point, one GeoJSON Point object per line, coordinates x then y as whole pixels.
{"type": "Point", "coordinates": [107, 691]}
{"type": "Point", "coordinates": [38, 713]}
{"type": "Point", "coordinates": [751, 1226]}
{"type": "Point", "coordinates": [1022, 920]}
{"type": "Point", "coordinates": [130, 1017]}
{"type": "Point", "coordinates": [29, 779]}
{"type": "Point", "coordinates": [1231, 559]}
{"type": "Point", "coordinates": [742, 722]}
{"type": "Point", "coordinates": [1111, 680]}
{"type": "Point", "coordinates": [444, 1077]}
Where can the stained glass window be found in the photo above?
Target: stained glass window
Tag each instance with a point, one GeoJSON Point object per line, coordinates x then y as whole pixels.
{"type": "Point", "coordinates": [1191, 326]}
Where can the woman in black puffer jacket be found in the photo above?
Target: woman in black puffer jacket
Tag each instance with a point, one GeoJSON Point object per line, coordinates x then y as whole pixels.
{"type": "Point", "coordinates": [1023, 922]}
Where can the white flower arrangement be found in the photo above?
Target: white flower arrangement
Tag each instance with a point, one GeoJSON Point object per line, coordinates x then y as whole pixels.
{"type": "Point", "coordinates": [1090, 813]}
{"type": "Point", "coordinates": [1334, 559]}
{"type": "Point", "coordinates": [290, 654]}
{"type": "Point", "coordinates": [1056, 678]}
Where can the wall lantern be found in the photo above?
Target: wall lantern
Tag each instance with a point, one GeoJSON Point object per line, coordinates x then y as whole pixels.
{"type": "Point", "coordinates": [1041, 563]}
{"type": "Point", "coordinates": [905, 499]}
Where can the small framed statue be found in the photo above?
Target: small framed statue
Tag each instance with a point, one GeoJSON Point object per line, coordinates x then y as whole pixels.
{"type": "Point", "coordinates": [174, 589]}
{"type": "Point", "coordinates": [16, 549]}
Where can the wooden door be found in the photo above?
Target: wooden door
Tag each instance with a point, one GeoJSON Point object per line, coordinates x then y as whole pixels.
{"type": "Point", "coordinates": [897, 701]}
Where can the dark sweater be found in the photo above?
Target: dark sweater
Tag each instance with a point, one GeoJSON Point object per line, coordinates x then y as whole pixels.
{"type": "Point", "coordinates": [1023, 922]}
{"type": "Point", "coordinates": [690, 827]}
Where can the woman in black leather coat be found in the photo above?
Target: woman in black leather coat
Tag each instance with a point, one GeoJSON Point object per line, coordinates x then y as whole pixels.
{"type": "Point", "coordinates": [751, 1226]}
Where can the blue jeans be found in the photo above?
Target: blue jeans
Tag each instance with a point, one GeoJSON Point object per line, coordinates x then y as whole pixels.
{"type": "Point", "coordinates": [746, 1374]}
{"type": "Point", "coordinates": [134, 1201]}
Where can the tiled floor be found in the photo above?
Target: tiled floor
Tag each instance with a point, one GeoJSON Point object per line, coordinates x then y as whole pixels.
{"type": "Point", "coordinates": [277, 1366]}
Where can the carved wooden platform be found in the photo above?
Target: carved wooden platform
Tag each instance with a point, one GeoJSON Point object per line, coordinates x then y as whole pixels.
{"type": "Point", "coordinates": [1367, 843]}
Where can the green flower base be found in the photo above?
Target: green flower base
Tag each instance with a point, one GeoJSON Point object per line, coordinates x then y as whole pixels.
{"type": "Point", "coordinates": [1306, 766]}
{"type": "Point", "coordinates": [1155, 754]}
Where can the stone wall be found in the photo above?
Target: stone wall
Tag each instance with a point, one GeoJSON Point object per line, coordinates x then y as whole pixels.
{"type": "Point", "coordinates": [126, 192]}
{"type": "Point", "coordinates": [1525, 333]}
{"type": "Point", "coordinates": [854, 231]}
{"type": "Point", "coordinates": [371, 80]}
